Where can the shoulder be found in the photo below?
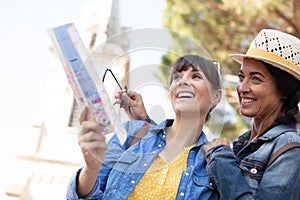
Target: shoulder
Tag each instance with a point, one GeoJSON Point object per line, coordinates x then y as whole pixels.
{"type": "Point", "coordinates": [287, 135]}
{"type": "Point", "coordinates": [133, 126]}
{"type": "Point", "coordinates": [282, 133]}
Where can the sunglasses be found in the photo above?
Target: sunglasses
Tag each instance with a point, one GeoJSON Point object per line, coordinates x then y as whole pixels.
{"type": "Point", "coordinates": [113, 75]}
{"type": "Point", "coordinates": [104, 75]}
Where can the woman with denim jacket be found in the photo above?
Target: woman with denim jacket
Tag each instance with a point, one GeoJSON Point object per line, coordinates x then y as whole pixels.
{"type": "Point", "coordinates": [269, 92]}
{"type": "Point", "coordinates": [169, 161]}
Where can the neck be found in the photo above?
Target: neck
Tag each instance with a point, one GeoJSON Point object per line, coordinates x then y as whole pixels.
{"type": "Point", "coordinates": [184, 131]}
{"type": "Point", "coordinates": [260, 125]}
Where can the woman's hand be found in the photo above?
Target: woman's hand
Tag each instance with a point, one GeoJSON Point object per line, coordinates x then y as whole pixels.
{"type": "Point", "coordinates": [132, 103]}
{"type": "Point", "coordinates": [216, 142]}
{"type": "Point", "coordinates": [91, 139]}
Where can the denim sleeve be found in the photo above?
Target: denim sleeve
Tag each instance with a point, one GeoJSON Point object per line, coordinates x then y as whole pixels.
{"type": "Point", "coordinates": [72, 188]}
{"type": "Point", "coordinates": [281, 180]}
{"type": "Point", "coordinates": [99, 187]}
{"type": "Point", "coordinates": [226, 174]}
{"type": "Point", "coordinates": [149, 120]}
{"type": "Point", "coordinates": [114, 150]}
{"type": "Point", "coordinates": [71, 191]}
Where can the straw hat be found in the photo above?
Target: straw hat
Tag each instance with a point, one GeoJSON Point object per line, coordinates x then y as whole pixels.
{"type": "Point", "coordinates": [276, 48]}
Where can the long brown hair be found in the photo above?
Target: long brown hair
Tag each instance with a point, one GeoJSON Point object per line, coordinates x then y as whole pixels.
{"type": "Point", "coordinates": [289, 87]}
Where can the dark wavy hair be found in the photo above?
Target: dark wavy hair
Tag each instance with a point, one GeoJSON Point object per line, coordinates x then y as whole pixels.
{"type": "Point", "coordinates": [289, 88]}
{"type": "Point", "coordinates": [208, 67]}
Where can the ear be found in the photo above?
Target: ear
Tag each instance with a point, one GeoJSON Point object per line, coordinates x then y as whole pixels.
{"type": "Point", "coordinates": [217, 97]}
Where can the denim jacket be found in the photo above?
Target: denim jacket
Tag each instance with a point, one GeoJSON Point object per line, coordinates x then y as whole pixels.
{"type": "Point", "coordinates": [123, 168]}
{"type": "Point", "coordinates": [242, 173]}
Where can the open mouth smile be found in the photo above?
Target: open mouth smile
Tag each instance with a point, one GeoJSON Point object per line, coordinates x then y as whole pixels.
{"type": "Point", "coordinates": [185, 95]}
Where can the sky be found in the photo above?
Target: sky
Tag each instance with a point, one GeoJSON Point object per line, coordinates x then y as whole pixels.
{"type": "Point", "coordinates": [24, 63]}
{"type": "Point", "coordinates": [25, 56]}
{"type": "Point", "coordinates": [24, 66]}
{"type": "Point", "coordinates": [25, 47]}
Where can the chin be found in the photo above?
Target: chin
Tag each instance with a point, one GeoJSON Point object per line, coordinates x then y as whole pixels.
{"type": "Point", "coordinates": [246, 114]}
{"type": "Point", "coordinates": [186, 112]}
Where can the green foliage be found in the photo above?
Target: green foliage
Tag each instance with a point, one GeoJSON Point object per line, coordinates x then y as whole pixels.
{"type": "Point", "coordinates": [223, 27]}
{"type": "Point", "coordinates": [228, 26]}
{"type": "Point", "coordinates": [165, 71]}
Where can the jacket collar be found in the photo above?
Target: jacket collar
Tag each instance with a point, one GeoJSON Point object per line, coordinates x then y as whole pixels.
{"type": "Point", "coordinates": [270, 133]}
{"type": "Point", "coordinates": [168, 122]}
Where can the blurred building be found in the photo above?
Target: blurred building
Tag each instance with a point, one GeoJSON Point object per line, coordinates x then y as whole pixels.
{"type": "Point", "coordinates": [51, 154]}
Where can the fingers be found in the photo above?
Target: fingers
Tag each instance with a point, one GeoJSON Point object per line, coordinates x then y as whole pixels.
{"type": "Point", "coordinates": [87, 126]}
{"type": "Point", "coordinates": [220, 141]}
{"type": "Point", "coordinates": [88, 122]}
{"type": "Point", "coordinates": [93, 147]}
{"type": "Point", "coordinates": [83, 114]}
{"type": "Point", "coordinates": [216, 142]}
{"type": "Point", "coordinates": [91, 131]}
{"type": "Point", "coordinates": [86, 114]}
{"type": "Point", "coordinates": [119, 94]}
{"type": "Point", "coordinates": [126, 101]}
{"type": "Point", "coordinates": [124, 98]}
{"type": "Point", "coordinates": [132, 103]}
{"type": "Point", "coordinates": [118, 97]}
{"type": "Point", "coordinates": [89, 142]}
{"type": "Point", "coordinates": [92, 141]}
{"type": "Point", "coordinates": [134, 95]}
{"type": "Point", "coordinates": [89, 137]}
{"type": "Point", "coordinates": [129, 96]}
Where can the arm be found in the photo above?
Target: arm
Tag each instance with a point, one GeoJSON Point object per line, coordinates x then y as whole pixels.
{"type": "Point", "coordinates": [276, 181]}
{"type": "Point", "coordinates": [93, 146]}
{"type": "Point", "coordinates": [89, 182]}
{"type": "Point", "coordinates": [224, 169]}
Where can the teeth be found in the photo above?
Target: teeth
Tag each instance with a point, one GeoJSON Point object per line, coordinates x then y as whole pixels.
{"type": "Point", "coordinates": [246, 100]}
{"type": "Point", "coordinates": [185, 94]}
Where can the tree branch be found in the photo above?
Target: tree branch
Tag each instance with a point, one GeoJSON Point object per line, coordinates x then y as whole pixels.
{"type": "Point", "coordinates": [287, 20]}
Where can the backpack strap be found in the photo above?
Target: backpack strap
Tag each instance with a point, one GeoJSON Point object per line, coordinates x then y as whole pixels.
{"type": "Point", "coordinates": [281, 150]}
{"type": "Point", "coordinates": [140, 134]}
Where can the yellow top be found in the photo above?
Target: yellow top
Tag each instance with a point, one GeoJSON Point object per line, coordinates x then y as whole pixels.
{"type": "Point", "coordinates": [162, 179]}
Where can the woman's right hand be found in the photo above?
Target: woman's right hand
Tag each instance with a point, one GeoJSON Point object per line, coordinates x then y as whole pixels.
{"type": "Point", "coordinates": [133, 104]}
{"type": "Point", "coordinates": [92, 140]}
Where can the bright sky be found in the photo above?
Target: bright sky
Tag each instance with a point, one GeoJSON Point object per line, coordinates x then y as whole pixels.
{"type": "Point", "coordinates": [25, 56]}
{"type": "Point", "coordinates": [24, 65]}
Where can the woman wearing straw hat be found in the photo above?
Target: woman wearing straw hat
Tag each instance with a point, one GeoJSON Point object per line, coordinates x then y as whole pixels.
{"type": "Point", "coordinates": [265, 161]}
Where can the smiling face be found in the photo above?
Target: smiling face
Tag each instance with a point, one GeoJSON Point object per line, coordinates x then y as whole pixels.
{"type": "Point", "coordinates": [195, 87]}
{"type": "Point", "coordinates": [257, 91]}
{"type": "Point", "coordinates": [190, 93]}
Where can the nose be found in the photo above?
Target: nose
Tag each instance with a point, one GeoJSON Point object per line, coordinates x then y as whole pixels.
{"type": "Point", "coordinates": [243, 86]}
{"type": "Point", "coordinates": [184, 80]}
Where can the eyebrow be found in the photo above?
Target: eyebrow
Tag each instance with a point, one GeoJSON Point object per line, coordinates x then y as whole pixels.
{"type": "Point", "coordinates": [193, 70]}
{"type": "Point", "coordinates": [253, 73]}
